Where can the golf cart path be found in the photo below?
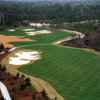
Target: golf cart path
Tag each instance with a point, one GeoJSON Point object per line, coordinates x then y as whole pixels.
{"type": "Point", "coordinates": [4, 92]}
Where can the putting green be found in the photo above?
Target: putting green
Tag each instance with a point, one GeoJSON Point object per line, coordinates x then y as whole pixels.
{"type": "Point", "coordinates": [73, 73]}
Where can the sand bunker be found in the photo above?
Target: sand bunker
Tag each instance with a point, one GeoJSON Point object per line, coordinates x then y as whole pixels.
{"type": "Point", "coordinates": [39, 32]}
{"type": "Point", "coordinates": [23, 58]}
{"type": "Point", "coordinates": [11, 30]}
{"type": "Point", "coordinates": [28, 29]}
{"type": "Point", "coordinates": [6, 39]}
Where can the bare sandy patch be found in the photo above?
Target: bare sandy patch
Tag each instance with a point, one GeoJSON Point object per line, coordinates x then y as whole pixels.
{"type": "Point", "coordinates": [39, 32]}
{"type": "Point", "coordinates": [23, 57]}
{"type": "Point", "coordinates": [28, 30]}
{"type": "Point", "coordinates": [11, 30]}
{"type": "Point", "coordinates": [37, 83]}
{"type": "Point", "coordinates": [6, 39]}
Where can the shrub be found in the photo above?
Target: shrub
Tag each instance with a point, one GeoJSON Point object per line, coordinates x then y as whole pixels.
{"type": "Point", "coordinates": [12, 83]}
{"type": "Point", "coordinates": [33, 97]}
{"type": "Point", "coordinates": [23, 76]}
{"type": "Point", "coordinates": [44, 93]}
{"type": "Point", "coordinates": [13, 90]}
{"type": "Point", "coordinates": [0, 67]}
{"type": "Point", "coordinates": [22, 87]}
{"type": "Point", "coordinates": [4, 68]}
{"type": "Point", "coordinates": [17, 75]}
{"type": "Point", "coordinates": [2, 46]}
{"type": "Point", "coordinates": [8, 74]}
{"type": "Point", "coordinates": [9, 79]}
{"type": "Point", "coordinates": [1, 79]}
{"type": "Point", "coordinates": [28, 84]}
{"type": "Point", "coordinates": [27, 80]}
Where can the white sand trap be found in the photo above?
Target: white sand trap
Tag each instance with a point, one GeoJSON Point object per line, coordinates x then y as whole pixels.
{"type": "Point", "coordinates": [44, 31]}
{"type": "Point", "coordinates": [28, 30]}
{"type": "Point", "coordinates": [39, 32]}
{"type": "Point", "coordinates": [11, 30]}
{"type": "Point", "coordinates": [23, 58]}
{"type": "Point", "coordinates": [31, 33]}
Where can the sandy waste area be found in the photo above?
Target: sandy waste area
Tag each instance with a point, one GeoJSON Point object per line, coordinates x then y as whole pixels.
{"type": "Point", "coordinates": [6, 39]}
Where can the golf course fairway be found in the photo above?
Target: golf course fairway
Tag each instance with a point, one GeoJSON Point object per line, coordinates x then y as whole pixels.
{"type": "Point", "coordinates": [73, 73]}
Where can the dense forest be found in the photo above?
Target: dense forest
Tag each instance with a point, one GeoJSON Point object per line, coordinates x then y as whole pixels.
{"type": "Point", "coordinates": [17, 12]}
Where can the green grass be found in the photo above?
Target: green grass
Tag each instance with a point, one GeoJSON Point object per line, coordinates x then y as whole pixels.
{"type": "Point", "coordinates": [73, 73]}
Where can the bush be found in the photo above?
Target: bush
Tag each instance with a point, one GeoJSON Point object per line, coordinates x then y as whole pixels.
{"type": "Point", "coordinates": [28, 84]}
{"type": "Point", "coordinates": [27, 80]}
{"type": "Point", "coordinates": [9, 79]}
{"type": "Point", "coordinates": [12, 83]}
{"type": "Point", "coordinates": [0, 67]}
{"type": "Point", "coordinates": [44, 93]}
{"type": "Point", "coordinates": [22, 86]}
{"type": "Point", "coordinates": [2, 46]}
{"type": "Point", "coordinates": [8, 74]}
{"type": "Point", "coordinates": [17, 75]}
{"type": "Point", "coordinates": [13, 90]}
{"type": "Point", "coordinates": [1, 79]}
{"type": "Point", "coordinates": [4, 68]}
{"type": "Point", "coordinates": [23, 76]}
{"type": "Point", "coordinates": [33, 97]}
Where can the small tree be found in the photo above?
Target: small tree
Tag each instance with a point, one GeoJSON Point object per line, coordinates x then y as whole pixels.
{"type": "Point", "coordinates": [2, 46]}
{"type": "Point", "coordinates": [7, 48]}
{"type": "Point", "coordinates": [8, 74]}
{"type": "Point", "coordinates": [4, 68]}
{"type": "Point", "coordinates": [44, 93]}
{"type": "Point", "coordinates": [23, 76]}
{"type": "Point", "coordinates": [22, 86]}
{"type": "Point", "coordinates": [0, 67]}
{"type": "Point", "coordinates": [13, 90]}
{"type": "Point", "coordinates": [33, 97]}
{"type": "Point", "coordinates": [17, 75]}
{"type": "Point", "coordinates": [27, 80]}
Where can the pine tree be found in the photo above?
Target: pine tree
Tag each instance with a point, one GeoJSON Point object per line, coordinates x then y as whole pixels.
{"type": "Point", "coordinates": [2, 46]}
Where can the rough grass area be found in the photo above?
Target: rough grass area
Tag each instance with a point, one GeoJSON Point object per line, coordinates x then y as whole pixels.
{"type": "Point", "coordinates": [73, 73]}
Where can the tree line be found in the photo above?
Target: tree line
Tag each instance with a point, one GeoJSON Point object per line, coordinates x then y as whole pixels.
{"type": "Point", "coordinates": [15, 13]}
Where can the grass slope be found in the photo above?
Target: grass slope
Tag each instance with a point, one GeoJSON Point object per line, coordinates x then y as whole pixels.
{"type": "Point", "coordinates": [73, 73]}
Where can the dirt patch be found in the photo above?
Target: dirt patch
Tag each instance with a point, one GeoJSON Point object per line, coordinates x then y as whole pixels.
{"type": "Point", "coordinates": [39, 84]}
{"type": "Point", "coordinates": [6, 39]}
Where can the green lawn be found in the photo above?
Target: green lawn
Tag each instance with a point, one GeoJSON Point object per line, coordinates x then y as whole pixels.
{"type": "Point", "coordinates": [73, 73]}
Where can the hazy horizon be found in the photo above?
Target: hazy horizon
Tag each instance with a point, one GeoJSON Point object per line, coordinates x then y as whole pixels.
{"type": "Point", "coordinates": [50, 0]}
